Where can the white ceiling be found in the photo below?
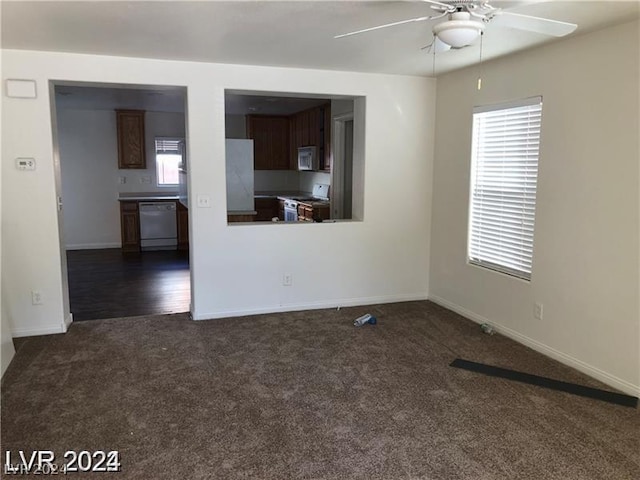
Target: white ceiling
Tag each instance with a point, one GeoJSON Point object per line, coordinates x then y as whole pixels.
{"type": "Point", "coordinates": [295, 34]}
{"type": "Point", "coordinates": [70, 95]}
{"type": "Point", "coordinates": [109, 97]}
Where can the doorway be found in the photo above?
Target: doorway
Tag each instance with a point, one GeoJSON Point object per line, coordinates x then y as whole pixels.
{"type": "Point", "coordinates": [108, 163]}
{"type": "Point", "coordinates": [342, 195]}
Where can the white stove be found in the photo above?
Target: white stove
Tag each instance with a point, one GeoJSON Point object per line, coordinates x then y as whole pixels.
{"type": "Point", "coordinates": [320, 194]}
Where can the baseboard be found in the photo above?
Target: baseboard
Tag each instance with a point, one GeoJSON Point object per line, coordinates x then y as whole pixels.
{"type": "Point", "coordinates": [92, 246]}
{"type": "Point", "coordinates": [67, 322]}
{"type": "Point", "coordinates": [561, 357]}
{"type": "Point", "coordinates": [296, 307]}
{"type": "Point", "coordinates": [32, 332]}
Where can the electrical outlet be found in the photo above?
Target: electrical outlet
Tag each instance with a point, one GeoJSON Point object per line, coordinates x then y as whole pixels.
{"type": "Point", "coordinates": [36, 297]}
{"type": "Point", "coordinates": [537, 311]}
{"type": "Point", "coordinates": [287, 279]}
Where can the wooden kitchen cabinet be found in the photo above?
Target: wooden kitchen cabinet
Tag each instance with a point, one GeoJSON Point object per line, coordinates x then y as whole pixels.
{"type": "Point", "coordinates": [131, 146]}
{"type": "Point", "coordinates": [309, 212]}
{"type": "Point", "coordinates": [312, 127]}
{"type": "Point", "coordinates": [325, 154]}
{"type": "Point", "coordinates": [182, 217]}
{"type": "Point", "coordinates": [130, 226]}
{"type": "Point", "coordinates": [271, 146]}
{"type": "Point", "coordinates": [267, 208]}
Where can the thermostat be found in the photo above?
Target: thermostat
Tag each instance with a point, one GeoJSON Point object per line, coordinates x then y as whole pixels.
{"type": "Point", "coordinates": [26, 163]}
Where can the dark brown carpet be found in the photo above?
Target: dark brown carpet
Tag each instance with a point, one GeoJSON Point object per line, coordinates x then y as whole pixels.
{"type": "Point", "coordinates": [308, 396]}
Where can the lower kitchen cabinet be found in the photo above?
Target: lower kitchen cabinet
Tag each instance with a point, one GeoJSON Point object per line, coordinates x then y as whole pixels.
{"type": "Point", "coordinates": [130, 226]}
{"type": "Point", "coordinates": [240, 218]}
{"type": "Point", "coordinates": [182, 213]}
{"type": "Point", "coordinates": [308, 213]}
{"type": "Point", "coordinates": [267, 208]}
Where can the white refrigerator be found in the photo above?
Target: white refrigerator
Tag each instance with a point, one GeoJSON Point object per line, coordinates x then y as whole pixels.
{"type": "Point", "coordinates": [239, 160]}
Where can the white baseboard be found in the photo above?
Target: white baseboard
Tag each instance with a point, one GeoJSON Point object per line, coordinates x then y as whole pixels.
{"type": "Point", "coordinates": [32, 332]}
{"type": "Point", "coordinates": [67, 322]}
{"type": "Point", "coordinates": [296, 307]}
{"type": "Point", "coordinates": [93, 246]}
{"type": "Point", "coordinates": [604, 377]}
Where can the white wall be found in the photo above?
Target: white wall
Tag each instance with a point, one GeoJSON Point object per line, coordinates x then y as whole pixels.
{"type": "Point", "coordinates": [7, 350]}
{"type": "Point", "coordinates": [89, 167]}
{"type": "Point", "coordinates": [308, 179]}
{"type": "Point", "coordinates": [6, 341]}
{"type": "Point", "coordinates": [585, 266]}
{"type": "Point", "coordinates": [276, 180]}
{"type": "Point", "coordinates": [235, 269]}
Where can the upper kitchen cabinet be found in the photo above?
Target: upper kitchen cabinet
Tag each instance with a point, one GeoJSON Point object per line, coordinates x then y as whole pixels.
{"type": "Point", "coordinates": [270, 135]}
{"type": "Point", "coordinates": [312, 127]}
{"type": "Point", "coordinates": [131, 148]}
{"type": "Point", "coordinates": [325, 154]}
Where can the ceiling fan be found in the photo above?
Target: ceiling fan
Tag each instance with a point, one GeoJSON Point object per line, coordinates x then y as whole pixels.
{"type": "Point", "coordinates": [467, 19]}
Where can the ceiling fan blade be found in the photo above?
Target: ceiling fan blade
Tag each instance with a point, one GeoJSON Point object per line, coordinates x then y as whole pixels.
{"type": "Point", "coordinates": [449, 8]}
{"type": "Point", "coordinates": [402, 22]}
{"type": "Point", "coordinates": [533, 24]}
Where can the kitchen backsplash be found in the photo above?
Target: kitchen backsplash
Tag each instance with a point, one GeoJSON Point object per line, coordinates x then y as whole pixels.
{"type": "Point", "coordinates": [288, 180]}
{"type": "Point", "coordinates": [309, 179]}
{"type": "Point", "coordinates": [275, 180]}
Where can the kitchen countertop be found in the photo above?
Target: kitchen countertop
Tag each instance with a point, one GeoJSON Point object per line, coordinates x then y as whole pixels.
{"type": "Point", "coordinates": [146, 197]}
{"type": "Point", "coordinates": [241, 212]}
{"type": "Point", "coordinates": [286, 195]}
{"type": "Point", "coordinates": [281, 194]}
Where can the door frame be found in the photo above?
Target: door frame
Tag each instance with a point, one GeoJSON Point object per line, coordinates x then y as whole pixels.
{"type": "Point", "coordinates": [52, 84]}
{"type": "Point", "coordinates": [337, 181]}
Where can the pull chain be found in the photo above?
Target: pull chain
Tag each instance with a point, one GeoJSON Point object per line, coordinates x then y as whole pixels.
{"type": "Point", "coordinates": [480, 64]}
{"type": "Point", "coordinates": [433, 48]}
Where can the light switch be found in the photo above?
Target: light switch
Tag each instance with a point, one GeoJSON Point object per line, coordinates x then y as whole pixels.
{"type": "Point", "coordinates": [204, 201]}
{"type": "Point", "coordinates": [122, 180]}
{"type": "Point", "coordinates": [24, 163]}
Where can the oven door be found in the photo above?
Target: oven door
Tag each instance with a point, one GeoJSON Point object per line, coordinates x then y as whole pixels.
{"type": "Point", "coordinates": [290, 214]}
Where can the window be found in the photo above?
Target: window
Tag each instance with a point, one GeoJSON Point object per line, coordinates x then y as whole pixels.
{"type": "Point", "coordinates": [504, 172]}
{"type": "Point", "coordinates": [168, 159]}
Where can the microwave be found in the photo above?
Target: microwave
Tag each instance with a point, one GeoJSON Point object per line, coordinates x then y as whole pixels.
{"type": "Point", "coordinates": [307, 158]}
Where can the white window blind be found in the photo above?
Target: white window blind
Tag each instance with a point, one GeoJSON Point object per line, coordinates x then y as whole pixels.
{"type": "Point", "coordinates": [168, 160]}
{"type": "Point", "coordinates": [504, 173]}
{"type": "Point", "coordinates": [169, 146]}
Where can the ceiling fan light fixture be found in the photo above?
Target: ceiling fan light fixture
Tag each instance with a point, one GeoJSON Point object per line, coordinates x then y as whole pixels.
{"type": "Point", "coordinates": [459, 31]}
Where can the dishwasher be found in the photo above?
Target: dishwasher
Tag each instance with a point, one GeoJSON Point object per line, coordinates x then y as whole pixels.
{"type": "Point", "coordinates": [158, 226]}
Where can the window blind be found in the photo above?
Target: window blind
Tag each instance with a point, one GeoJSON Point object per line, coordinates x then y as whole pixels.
{"type": "Point", "coordinates": [168, 146]}
{"type": "Point", "coordinates": [504, 173]}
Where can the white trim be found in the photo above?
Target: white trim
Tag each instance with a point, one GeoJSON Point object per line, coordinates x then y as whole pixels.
{"type": "Point", "coordinates": [31, 332]}
{"type": "Point", "coordinates": [294, 307]}
{"type": "Point", "coordinates": [526, 102]}
{"type": "Point", "coordinates": [337, 168]}
{"type": "Point", "coordinates": [67, 322]}
{"type": "Point", "coordinates": [93, 246]}
{"type": "Point", "coordinates": [604, 377]}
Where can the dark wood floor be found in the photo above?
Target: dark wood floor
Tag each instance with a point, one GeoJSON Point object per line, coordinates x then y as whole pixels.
{"type": "Point", "coordinates": [107, 284]}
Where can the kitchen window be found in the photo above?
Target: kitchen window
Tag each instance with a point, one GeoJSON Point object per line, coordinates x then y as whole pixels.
{"type": "Point", "coordinates": [504, 172]}
{"type": "Point", "coordinates": [168, 159]}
